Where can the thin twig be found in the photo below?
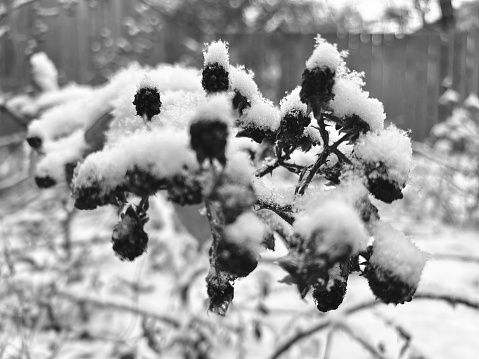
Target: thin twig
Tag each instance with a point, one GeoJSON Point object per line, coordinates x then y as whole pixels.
{"type": "Point", "coordinates": [448, 298]}
{"type": "Point", "coordinates": [361, 339]}
{"type": "Point", "coordinates": [284, 212]}
{"type": "Point", "coordinates": [107, 305]}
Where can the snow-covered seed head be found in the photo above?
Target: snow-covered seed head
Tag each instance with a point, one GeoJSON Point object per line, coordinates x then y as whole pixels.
{"type": "Point", "coordinates": [209, 129]}
{"type": "Point", "coordinates": [332, 229]}
{"type": "Point", "coordinates": [319, 75]}
{"type": "Point", "coordinates": [294, 118]}
{"type": "Point", "coordinates": [386, 158]}
{"type": "Point", "coordinates": [185, 190]}
{"type": "Point", "coordinates": [215, 77]}
{"type": "Point", "coordinates": [147, 100]}
{"type": "Point", "coordinates": [358, 112]}
{"type": "Point", "coordinates": [235, 258]}
{"type": "Point", "coordinates": [395, 266]}
{"type": "Point", "coordinates": [129, 238]}
{"type": "Point", "coordinates": [379, 183]}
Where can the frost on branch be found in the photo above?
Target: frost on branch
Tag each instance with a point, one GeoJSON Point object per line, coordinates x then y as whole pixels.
{"type": "Point", "coordinates": [214, 140]}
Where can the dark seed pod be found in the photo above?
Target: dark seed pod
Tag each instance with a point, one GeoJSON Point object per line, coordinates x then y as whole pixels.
{"type": "Point", "coordinates": [387, 286]}
{"type": "Point", "coordinates": [147, 102]}
{"type": "Point", "coordinates": [379, 185]}
{"type": "Point", "coordinates": [129, 239]}
{"type": "Point", "coordinates": [292, 127]}
{"type": "Point", "coordinates": [353, 126]}
{"type": "Point", "coordinates": [234, 198]}
{"type": "Point", "coordinates": [235, 258]}
{"type": "Point", "coordinates": [215, 78]}
{"type": "Point", "coordinates": [88, 198]}
{"type": "Point", "coordinates": [185, 190]}
{"type": "Point", "coordinates": [35, 142]}
{"type": "Point", "coordinates": [45, 182]}
{"type": "Point", "coordinates": [220, 292]}
{"type": "Point", "coordinates": [143, 183]}
{"type": "Point", "coordinates": [330, 296]}
{"type": "Point", "coordinates": [317, 86]}
{"type": "Point", "coordinates": [208, 139]}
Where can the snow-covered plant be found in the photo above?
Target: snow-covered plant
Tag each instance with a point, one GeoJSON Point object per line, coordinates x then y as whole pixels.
{"type": "Point", "coordinates": [449, 167]}
{"type": "Point", "coordinates": [211, 138]}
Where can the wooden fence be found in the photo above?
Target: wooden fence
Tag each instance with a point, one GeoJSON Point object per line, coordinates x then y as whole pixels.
{"type": "Point", "coordinates": [406, 73]}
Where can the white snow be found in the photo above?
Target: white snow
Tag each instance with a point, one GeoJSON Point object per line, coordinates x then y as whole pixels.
{"type": "Point", "coordinates": [324, 55]}
{"type": "Point", "coordinates": [349, 99]}
{"type": "Point", "coordinates": [215, 107]}
{"type": "Point", "coordinates": [336, 220]}
{"type": "Point", "coordinates": [44, 72]}
{"type": "Point", "coordinates": [242, 80]}
{"type": "Point", "coordinates": [248, 230]}
{"type": "Point", "coordinates": [394, 252]}
{"type": "Point", "coordinates": [391, 146]}
{"type": "Point", "coordinates": [161, 152]}
{"type": "Point", "coordinates": [217, 52]}
{"type": "Point", "coordinates": [262, 114]}
{"type": "Point", "coordinates": [59, 153]}
{"type": "Point", "coordinates": [292, 102]}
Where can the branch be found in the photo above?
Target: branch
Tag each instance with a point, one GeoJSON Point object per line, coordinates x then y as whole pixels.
{"type": "Point", "coordinates": [117, 307]}
{"type": "Point", "coordinates": [445, 297]}
{"type": "Point", "coordinates": [285, 212]}
{"type": "Point", "coordinates": [361, 339]}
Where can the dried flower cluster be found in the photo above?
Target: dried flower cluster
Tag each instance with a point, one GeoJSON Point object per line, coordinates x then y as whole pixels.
{"type": "Point", "coordinates": [210, 137]}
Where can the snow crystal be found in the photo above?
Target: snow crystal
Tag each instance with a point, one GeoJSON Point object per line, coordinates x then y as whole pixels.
{"type": "Point", "coordinates": [336, 220]}
{"type": "Point", "coordinates": [324, 55]}
{"type": "Point", "coordinates": [243, 82]}
{"type": "Point", "coordinates": [44, 72]}
{"type": "Point", "coordinates": [394, 252]}
{"type": "Point", "coordinates": [262, 114]}
{"type": "Point", "coordinates": [391, 146]}
{"type": "Point", "coordinates": [292, 102]}
{"type": "Point", "coordinates": [349, 99]}
{"type": "Point", "coordinates": [217, 51]}
{"type": "Point", "coordinates": [161, 152]}
{"type": "Point", "coordinates": [59, 153]}
{"type": "Point", "coordinates": [248, 230]}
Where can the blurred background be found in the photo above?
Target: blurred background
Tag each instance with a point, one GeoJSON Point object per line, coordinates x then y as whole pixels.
{"type": "Point", "coordinates": [63, 293]}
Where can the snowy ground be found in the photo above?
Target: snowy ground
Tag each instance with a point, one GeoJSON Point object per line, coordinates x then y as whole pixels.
{"type": "Point", "coordinates": [96, 298]}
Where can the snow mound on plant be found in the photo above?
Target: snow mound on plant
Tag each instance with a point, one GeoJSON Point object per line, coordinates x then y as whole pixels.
{"type": "Point", "coordinates": [217, 52]}
{"type": "Point", "coordinates": [397, 254]}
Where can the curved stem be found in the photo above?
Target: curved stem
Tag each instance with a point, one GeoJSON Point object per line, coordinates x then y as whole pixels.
{"type": "Point", "coordinates": [445, 297]}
